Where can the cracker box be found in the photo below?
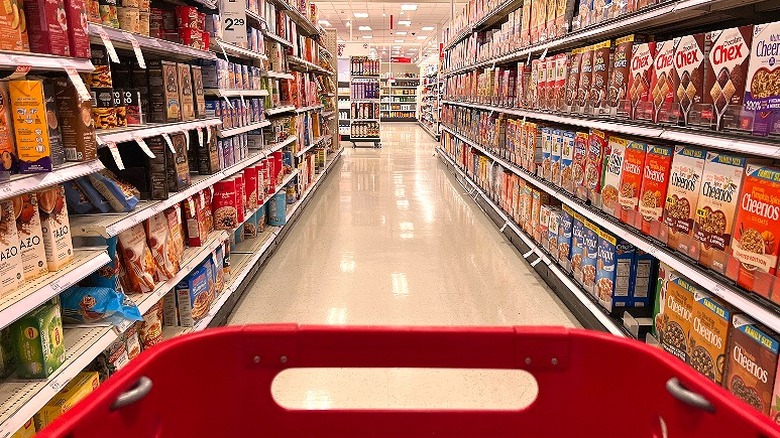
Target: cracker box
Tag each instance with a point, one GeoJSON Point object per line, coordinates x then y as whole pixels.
{"type": "Point", "coordinates": [677, 315]}
{"type": "Point", "coordinates": [598, 148]}
{"type": "Point", "coordinates": [639, 83]}
{"type": "Point", "coordinates": [76, 390]}
{"type": "Point", "coordinates": [716, 207]}
{"type": "Point", "coordinates": [193, 297]}
{"type": "Point", "coordinates": [613, 169]}
{"type": "Point", "coordinates": [30, 126]}
{"type": "Point", "coordinates": [599, 77]}
{"type": "Point", "coordinates": [613, 272]}
{"type": "Point", "coordinates": [572, 81]}
{"type": "Point", "coordinates": [753, 255]}
{"type": "Point", "coordinates": [710, 325]}
{"type": "Point", "coordinates": [658, 162]}
{"type": "Point", "coordinates": [663, 88]}
{"type": "Point", "coordinates": [631, 183]}
{"type": "Point", "coordinates": [40, 347]}
{"type": "Point", "coordinates": [578, 165]}
{"type": "Point", "coordinates": [682, 194]}
{"type": "Point", "coordinates": [577, 253]}
{"type": "Point", "coordinates": [689, 61]}
{"type": "Point", "coordinates": [77, 126]}
{"type": "Point", "coordinates": [725, 75]}
{"type": "Point", "coordinates": [46, 26]}
{"type": "Point", "coordinates": [762, 90]}
{"type": "Point", "coordinates": [586, 75]}
{"type": "Point", "coordinates": [28, 226]}
{"type": "Point", "coordinates": [564, 238]}
{"type": "Point", "coordinates": [11, 270]}
{"type": "Point", "coordinates": [752, 363]}
{"type": "Point", "coordinates": [590, 238]}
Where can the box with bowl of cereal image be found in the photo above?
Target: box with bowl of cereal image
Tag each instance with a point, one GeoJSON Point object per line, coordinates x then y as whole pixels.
{"type": "Point", "coordinates": [613, 168]}
{"type": "Point", "coordinates": [676, 319]}
{"type": "Point", "coordinates": [762, 88]}
{"type": "Point", "coordinates": [579, 157]}
{"type": "Point", "coordinates": [594, 165]}
{"type": "Point", "coordinates": [682, 194]}
{"type": "Point", "coordinates": [710, 326]}
{"type": "Point", "coordinates": [577, 252]}
{"type": "Point", "coordinates": [590, 238]}
{"type": "Point", "coordinates": [752, 257]}
{"type": "Point", "coordinates": [564, 238]}
{"type": "Point", "coordinates": [613, 272]}
{"type": "Point", "coordinates": [716, 207]}
{"type": "Point", "coordinates": [567, 158]}
{"type": "Point", "coordinates": [631, 183]}
{"type": "Point", "coordinates": [551, 242]}
{"type": "Point", "coordinates": [658, 162]}
{"type": "Point", "coordinates": [752, 363]}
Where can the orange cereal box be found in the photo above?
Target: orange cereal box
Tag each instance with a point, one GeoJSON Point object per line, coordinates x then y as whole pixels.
{"type": "Point", "coordinates": [631, 183]}
{"type": "Point", "coordinates": [658, 162]}
{"type": "Point", "coordinates": [716, 207]}
{"type": "Point", "coordinates": [753, 254]}
{"type": "Point", "coordinates": [597, 149]}
{"type": "Point", "coordinates": [681, 197]}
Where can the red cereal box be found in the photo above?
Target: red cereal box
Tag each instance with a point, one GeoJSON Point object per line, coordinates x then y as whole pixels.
{"type": "Point", "coordinates": [77, 28]}
{"type": "Point", "coordinates": [631, 183]}
{"type": "Point", "coordinates": [598, 147]}
{"type": "Point", "coordinates": [46, 24]}
{"type": "Point", "coordinates": [658, 163]}
{"type": "Point", "coordinates": [580, 156]}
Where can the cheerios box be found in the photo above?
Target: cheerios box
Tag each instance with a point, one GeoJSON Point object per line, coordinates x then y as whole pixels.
{"type": "Point", "coordinates": [577, 252]}
{"type": "Point", "coordinates": [564, 238]}
{"type": "Point", "coordinates": [710, 326]}
{"type": "Point", "coordinates": [675, 324]}
{"type": "Point", "coordinates": [655, 178]}
{"type": "Point", "coordinates": [682, 194]}
{"type": "Point", "coordinates": [752, 364]}
{"type": "Point", "coordinates": [590, 256]}
{"type": "Point", "coordinates": [613, 272]}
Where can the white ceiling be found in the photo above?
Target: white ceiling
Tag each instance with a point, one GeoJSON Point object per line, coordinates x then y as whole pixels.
{"type": "Point", "coordinates": [436, 14]}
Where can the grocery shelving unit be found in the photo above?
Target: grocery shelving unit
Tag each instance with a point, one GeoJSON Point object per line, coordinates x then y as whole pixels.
{"type": "Point", "coordinates": [399, 99]}
{"type": "Point", "coordinates": [364, 100]}
{"type": "Point", "coordinates": [430, 107]}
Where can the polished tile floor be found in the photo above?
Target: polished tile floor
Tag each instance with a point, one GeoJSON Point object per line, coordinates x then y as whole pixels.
{"type": "Point", "coordinates": [391, 239]}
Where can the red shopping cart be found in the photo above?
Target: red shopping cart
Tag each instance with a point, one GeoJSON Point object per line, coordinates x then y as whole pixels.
{"type": "Point", "coordinates": [218, 384]}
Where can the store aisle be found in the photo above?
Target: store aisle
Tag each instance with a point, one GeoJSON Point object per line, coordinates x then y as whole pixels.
{"type": "Point", "coordinates": [393, 239]}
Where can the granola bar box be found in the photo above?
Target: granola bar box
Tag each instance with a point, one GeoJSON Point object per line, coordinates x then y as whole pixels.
{"type": "Point", "coordinates": [613, 168]}
{"type": "Point", "coordinates": [655, 178]}
{"type": "Point", "coordinates": [752, 260]}
{"type": "Point", "coordinates": [710, 326]}
{"type": "Point", "coordinates": [752, 363]}
{"type": "Point", "coordinates": [682, 194]}
{"type": "Point", "coordinates": [716, 207]}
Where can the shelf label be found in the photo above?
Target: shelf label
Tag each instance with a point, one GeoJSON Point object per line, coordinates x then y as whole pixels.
{"type": "Point", "coordinates": [144, 147]}
{"type": "Point", "coordinates": [75, 78]}
{"type": "Point", "coordinates": [108, 44]}
{"type": "Point", "coordinates": [139, 56]}
{"type": "Point", "coordinates": [19, 73]}
{"type": "Point", "coordinates": [199, 130]}
{"type": "Point", "coordinates": [187, 136]}
{"type": "Point", "coordinates": [169, 142]}
{"type": "Point", "coordinates": [115, 153]}
{"type": "Point", "coordinates": [233, 14]}
{"type": "Point", "coordinates": [544, 54]}
{"type": "Point", "coordinates": [208, 135]}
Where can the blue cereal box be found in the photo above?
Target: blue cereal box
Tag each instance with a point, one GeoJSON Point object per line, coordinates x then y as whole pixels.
{"type": "Point", "coordinates": [547, 141]}
{"type": "Point", "coordinates": [613, 272]}
{"type": "Point", "coordinates": [590, 255]}
{"type": "Point", "coordinates": [577, 246]}
{"type": "Point", "coordinates": [567, 157]}
{"type": "Point", "coordinates": [250, 226]}
{"type": "Point", "coordinates": [277, 210]}
{"type": "Point", "coordinates": [551, 244]}
{"type": "Point", "coordinates": [192, 297]}
{"type": "Point", "coordinates": [643, 278]}
{"type": "Point", "coordinates": [555, 156]}
{"type": "Point", "coordinates": [564, 238]}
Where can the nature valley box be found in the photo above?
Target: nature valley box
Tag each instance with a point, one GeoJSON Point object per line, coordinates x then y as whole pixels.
{"type": "Point", "coordinates": [709, 336]}
{"type": "Point", "coordinates": [752, 363]}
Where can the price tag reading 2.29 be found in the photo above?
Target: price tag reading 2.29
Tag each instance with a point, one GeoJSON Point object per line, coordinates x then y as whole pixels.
{"type": "Point", "coordinates": [234, 21]}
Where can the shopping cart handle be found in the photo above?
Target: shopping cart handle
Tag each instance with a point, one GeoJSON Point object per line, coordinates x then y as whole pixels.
{"type": "Point", "coordinates": [690, 398]}
{"type": "Point", "coordinates": [141, 388]}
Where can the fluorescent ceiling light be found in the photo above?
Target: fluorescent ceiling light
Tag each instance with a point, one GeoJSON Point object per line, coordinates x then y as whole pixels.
{"type": "Point", "coordinates": [422, 37]}
{"type": "Point", "coordinates": [409, 7]}
{"type": "Point", "coordinates": [411, 50]}
{"type": "Point", "coordinates": [428, 28]}
{"type": "Point", "coordinates": [364, 27]}
{"type": "Point", "coordinates": [403, 32]}
{"type": "Point", "coordinates": [349, 24]}
{"type": "Point", "coordinates": [405, 22]}
{"type": "Point", "coordinates": [361, 14]}
{"type": "Point", "coordinates": [367, 37]}
{"type": "Point", "coordinates": [398, 41]}
{"type": "Point", "coordinates": [396, 47]}
{"type": "Point", "coordinates": [324, 23]}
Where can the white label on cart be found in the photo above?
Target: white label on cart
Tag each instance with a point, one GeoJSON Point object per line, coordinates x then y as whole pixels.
{"type": "Point", "coordinates": [137, 49]}
{"type": "Point", "coordinates": [169, 142]}
{"type": "Point", "coordinates": [144, 147]}
{"type": "Point", "coordinates": [108, 44]}
{"type": "Point", "coordinates": [115, 153]}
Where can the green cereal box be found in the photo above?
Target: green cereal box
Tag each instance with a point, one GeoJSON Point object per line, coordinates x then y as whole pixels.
{"type": "Point", "coordinates": [40, 347]}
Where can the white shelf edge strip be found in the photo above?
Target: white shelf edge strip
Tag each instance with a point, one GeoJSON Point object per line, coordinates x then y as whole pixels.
{"type": "Point", "coordinates": [308, 108]}
{"type": "Point", "coordinates": [697, 275]}
{"type": "Point", "coordinates": [282, 109]}
{"type": "Point", "coordinates": [234, 93]}
{"type": "Point", "coordinates": [242, 129]}
{"type": "Point", "coordinates": [313, 144]}
{"type": "Point", "coordinates": [41, 61]}
{"type": "Point", "coordinates": [132, 133]}
{"type": "Point", "coordinates": [23, 183]}
{"type": "Point", "coordinates": [147, 42]}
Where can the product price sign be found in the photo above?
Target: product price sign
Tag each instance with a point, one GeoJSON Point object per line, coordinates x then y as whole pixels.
{"type": "Point", "coordinates": [233, 21]}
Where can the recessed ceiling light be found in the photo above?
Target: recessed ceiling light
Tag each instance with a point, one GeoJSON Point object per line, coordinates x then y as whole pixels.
{"type": "Point", "coordinates": [398, 41]}
{"type": "Point", "coordinates": [409, 7]}
{"type": "Point", "coordinates": [324, 23]}
{"type": "Point", "coordinates": [349, 24]}
{"type": "Point", "coordinates": [403, 32]}
{"type": "Point", "coordinates": [411, 50]}
{"type": "Point", "coordinates": [428, 28]}
{"type": "Point", "coordinates": [422, 37]}
{"type": "Point", "coordinates": [361, 14]}
{"type": "Point", "coordinates": [367, 37]}
{"type": "Point", "coordinates": [396, 47]}
{"type": "Point", "coordinates": [405, 22]}
{"type": "Point", "coordinates": [364, 27]}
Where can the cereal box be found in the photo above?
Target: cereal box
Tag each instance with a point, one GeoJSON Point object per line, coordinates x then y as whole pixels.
{"type": "Point", "coordinates": [619, 76]}
{"type": "Point", "coordinates": [689, 60]}
{"type": "Point", "coordinates": [567, 158]}
{"type": "Point", "coordinates": [564, 238]}
{"type": "Point", "coordinates": [28, 226]}
{"type": "Point", "coordinates": [547, 141]}
{"type": "Point", "coordinates": [613, 169]}
{"type": "Point", "coordinates": [178, 171]}
{"type": "Point", "coordinates": [682, 194]}
{"type": "Point", "coordinates": [753, 351]}
{"type": "Point", "coordinates": [533, 148]}
{"type": "Point", "coordinates": [590, 240]}
{"type": "Point", "coordinates": [552, 79]}
{"type": "Point", "coordinates": [561, 65]}
{"type": "Point", "coordinates": [550, 31]}
{"type": "Point", "coordinates": [642, 278]}
{"type": "Point", "coordinates": [551, 243]}
{"type": "Point", "coordinates": [762, 90]}
{"type": "Point", "coordinates": [710, 325]}
{"type": "Point", "coordinates": [76, 390]}
{"type": "Point", "coordinates": [586, 75]}
{"type": "Point", "coordinates": [31, 126]}
{"type": "Point", "coordinates": [676, 320]}
{"type": "Point", "coordinates": [631, 183]}
{"type": "Point", "coordinates": [658, 162]}
{"type": "Point", "coordinates": [525, 28]}
{"type": "Point", "coordinates": [527, 203]}
{"type": "Point", "coordinates": [754, 249]}
{"type": "Point", "coordinates": [664, 275]}
{"type": "Point", "coordinates": [600, 76]}
{"type": "Point", "coordinates": [47, 26]}
{"type": "Point", "coordinates": [77, 28]}
{"type": "Point", "coordinates": [663, 89]}
{"type": "Point", "coordinates": [186, 98]}
{"type": "Point", "coordinates": [725, 74]}
{"type": "Point", "coordinates": [39, 341]}
{"type": "Point", "coordinates": [577, 245]}
{"type": "Point", "coordinates": [642, 57]}
{"type": "Point", "coordinates": [193, 297]}
{"type": "Point", "coordinates": [578, 165]}
{"type": "Point", "coordinates": [555, 156]}
{"type": "Point", "coordinates": [542, 227]}
{"type": "Point", "coordinates": [572, 81]}
{"type": "Point", "coordinates": [716, 207]}
{"type": "Point", "coordinates": [613, 272]}
{"type": "Point", "coordinates": [26, 431]}
{"type": "Point", "coordinates": [597, 149]}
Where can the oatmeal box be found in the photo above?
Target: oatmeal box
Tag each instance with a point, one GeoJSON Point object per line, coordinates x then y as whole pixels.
{"type": "Point", "coordinates": [613, 168]}
{"type": "Point", "coordinates": [658, 162]}
{"type": "Point", "coordinates": [762, 90]}
{"type": "Point", "coordinates": [716, 207]}
{"type": "Point", "coordinates": [631, 183]}
{"type": "Point", "coordinates": [752, 260]}
{"type": "Point", "coordinates": [682, 194]}
{"type": "Point", "coordinates": [753, 351]}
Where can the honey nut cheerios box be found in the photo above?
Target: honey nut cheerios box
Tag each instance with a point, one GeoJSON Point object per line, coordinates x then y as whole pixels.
{"type": "Point", "coordinates": [658, 162]}
{"type": "Point", "coordinates": [682, 194]}
{"type": "Point", "coordinates": [675, 324]}
{"type": "Point", "coordinates": [752, 257]}
{"type": "Point", "coordinates": [752, 364]}
{"type": "Point", "coordinates": [710, 326]}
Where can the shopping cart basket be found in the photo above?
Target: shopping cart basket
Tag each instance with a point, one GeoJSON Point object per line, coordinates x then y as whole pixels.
{"type": "Point", "coordinates": [218, 384]}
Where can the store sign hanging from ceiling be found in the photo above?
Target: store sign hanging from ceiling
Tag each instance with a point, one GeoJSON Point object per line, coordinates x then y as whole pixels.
{"type": "Point", "coordinates": [233, 21]}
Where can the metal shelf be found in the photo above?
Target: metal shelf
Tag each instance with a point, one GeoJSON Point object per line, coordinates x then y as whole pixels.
{"type": "Point", "coordinates": [123, 39]}
{"type": "Point", "coordinates": [313, 144]}
{"type": "Point", "coordinates": [307, 66]}
{"type": "Point", "coordinates": [305, 27]}
{"type": "Point", "coordinates": [23, 183]}
{"type": "Point", "coordinates": [217, 46]}
{"type": "Point", "coordinates": [308, 108]}
{"type": "Point", "coordinates": [42, 62]}
{"type": "Point", "coordinates": [130, 133]}
{"type": "Point", "coordinates": [242, 129]}
{"type": "Point", "coordinates": [234, 93]}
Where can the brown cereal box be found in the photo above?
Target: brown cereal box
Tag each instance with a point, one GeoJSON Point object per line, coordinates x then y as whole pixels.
{"type": "Point", "coordinates": [197, 92]}
{"type": "Point", "coordinates": [561, 64]}
{"type": "Point", "coordinates": [599, 76]}
{"type": "Point", "coordinates": [525, 28]}
{"type": "Point", "coordinates": [689, 56]}
{"type": "Point", "coordinates": [186, 98]}
{"type": "Point", "coordinates": [754, 248]}
{"type": "Point", "coordinates": [620, 74]}
{"type": "Point", "coordinates": [664, 84]}
{"type": "Point", "coordinates": [598, 147]}
{"type": "Point", "coordinates": [681, 198]}
{"type": "Point", "coordinates": [725, 74]}
{"type": "Point", "coordinates": [710, 325]}
{"type": "Point", "coordinates": [549, 22]}
{"type": "Point", "coordinates": [572, 80]}
{"type": "Point", "coordinates": [541, 84]}
{"type": "Point", "coordinates": [642, 56]}
{"type": "Point", "coordinates": [675, 322]}
{"type": "Point", "coordinates": [716, 207]}
{"type": "Point", "coordinates": [658, 162]}
{"type": "Point", "coordinates": [563, 13]}
{"type": "Point", "coordinates": [631, 183]}
{"type": "Point", "coordinates": [752, 363]}
{"type": "Point", "coordinates": [586, 75]}
{"type": "Point", "coordinates": [613, 168]}
{"type": "Point", "coordinates": [762, 90]}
